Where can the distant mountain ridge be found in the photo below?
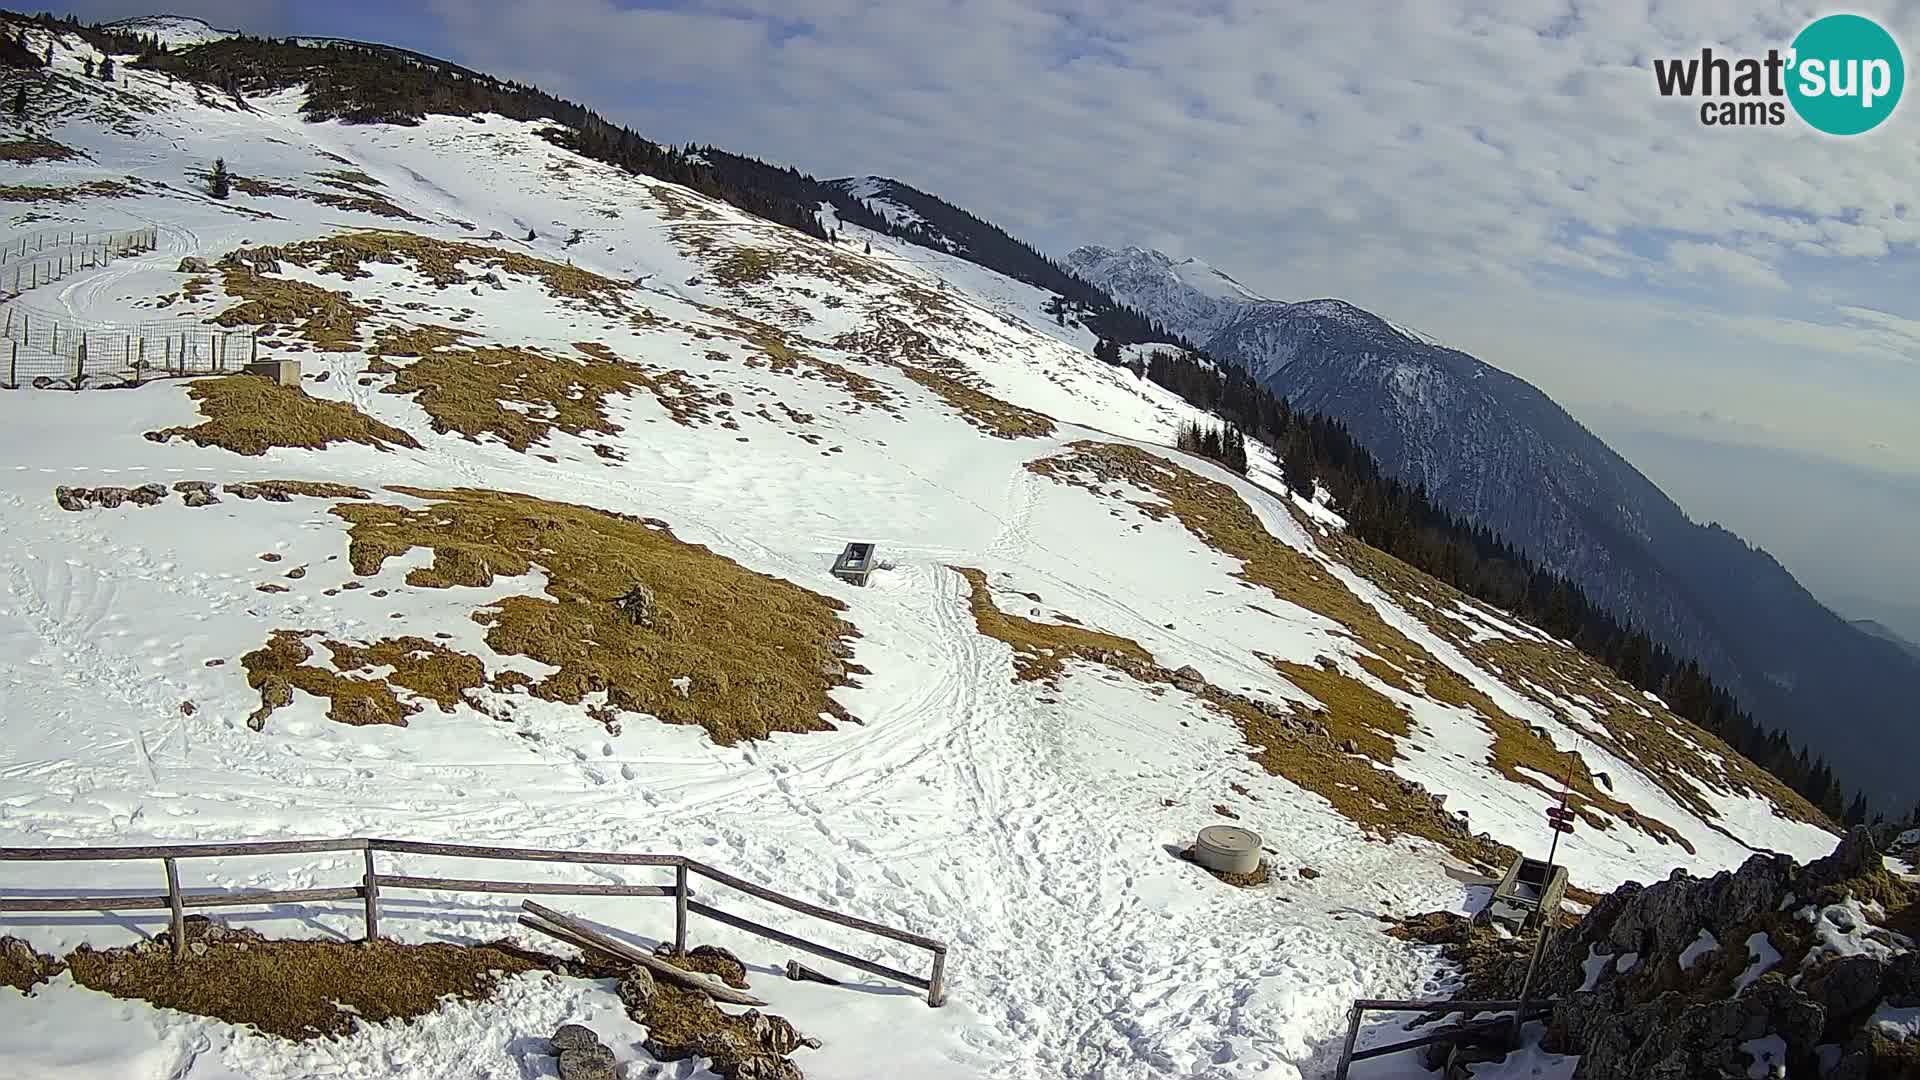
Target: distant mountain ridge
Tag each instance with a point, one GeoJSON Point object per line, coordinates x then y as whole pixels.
{"type": "Point", "coordinates": [1495, 449]}
{"type": "Point", "coordinates": [1886, 633]}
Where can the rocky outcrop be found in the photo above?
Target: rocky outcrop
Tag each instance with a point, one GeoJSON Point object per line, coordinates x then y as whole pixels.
{"type": "Point", "coordinates": [1704, 978]}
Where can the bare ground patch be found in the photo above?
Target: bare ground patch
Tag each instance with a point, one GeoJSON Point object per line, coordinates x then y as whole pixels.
{"type": "Point", "coordinates": [250, 415]}
{"type": "Point", "coordinates": [354, 693]}
{"type": "Point", "coordinates": [739, 653]}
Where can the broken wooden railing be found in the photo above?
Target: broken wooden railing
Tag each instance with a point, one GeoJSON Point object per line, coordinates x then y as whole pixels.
{"type": "Point", "coordinates": [372, 882]}
{"type": "Point", "coordinates": [1465, 1030]}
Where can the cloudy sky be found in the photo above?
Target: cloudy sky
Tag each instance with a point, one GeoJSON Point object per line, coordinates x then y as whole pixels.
{"type": "Point", "coordinates": [1735, 308]}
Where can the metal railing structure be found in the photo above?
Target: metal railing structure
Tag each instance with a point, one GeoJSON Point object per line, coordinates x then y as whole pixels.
{"type": "Point", "coordinates": [1502, 1027]}
{"type": "Point", "coordinates": [48, 349]}
{"type": "Point", "coordinates": [44, 257]}
{"type": "Point", "coordinates": [371, 883]}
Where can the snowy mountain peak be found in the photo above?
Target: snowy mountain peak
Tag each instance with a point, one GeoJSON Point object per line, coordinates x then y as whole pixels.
{"type": "Point", "coordinates": [174, 30]}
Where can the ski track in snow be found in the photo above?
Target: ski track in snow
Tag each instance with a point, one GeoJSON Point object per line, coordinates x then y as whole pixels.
{"type": "Point", "coordinates": [1029, 826]}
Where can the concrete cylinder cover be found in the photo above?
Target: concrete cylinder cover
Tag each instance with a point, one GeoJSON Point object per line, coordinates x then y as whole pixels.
{"type": "Point", "coordinates": [1227, 849]}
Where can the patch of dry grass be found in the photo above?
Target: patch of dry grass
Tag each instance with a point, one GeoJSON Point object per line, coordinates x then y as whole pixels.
{"type": "Point", "coordinates": [358, 198]}
{"type": "Point", "coordinates": [1366, 795]}
{"type": "Point", "coordinates": [93, 189]}
{"type": "Point", "coordinates": [329, 320]}
{"type": "Point", "coordinates": [743, 266]}
{"type": "Point", "coordinates": [23, 967]}
{"type": "Point", "coordinates": [427, 668]}
{"type": "Point", "coordinates": [447, 263]}
{"type": "Point", "coordinates": [471, 390]}
{"type": "Point", "coordinates": [300, 989]}
{"type": "Point", "coordinates": [757, 654]}
{"type": "Point", "coordinates": [32, 148]}
{"type": "Point", "coordinates": [249, 415]}
{"type": "Point", "coordinates": [1218, 517]}
{"type": "Point", "coordinates": [684, 1023]}
{"type": "Point", "coordinates": [1667, 748]}
{"type": "Point", "coordinates": [894, 342]}
{"type": "Point", "coordinates": [1040, 650]}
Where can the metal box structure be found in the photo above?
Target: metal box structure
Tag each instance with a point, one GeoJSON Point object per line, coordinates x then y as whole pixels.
{"type": "Point", "coordinates": [855, 564]}
{"type": "Point", "coordinates": [283, 372]}
{"type": "Point", "coordinates": [1530, 887]}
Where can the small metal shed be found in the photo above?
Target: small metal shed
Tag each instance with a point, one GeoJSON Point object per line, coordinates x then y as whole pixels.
{"type": "Point", "coordinates": [855, 564]}
{"type": "Point", "coordinates": [1530, 887]}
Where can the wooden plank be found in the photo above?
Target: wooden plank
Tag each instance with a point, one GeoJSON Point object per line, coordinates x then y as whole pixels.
{"type": "Point", "coordinates": [84, 903]}
{"type": "Point", "coordinates": [164, 902]}
{"type": "Point", "coordinates": [569, 929]}
{"type": "Point", "coordinates": [785, 938]}
{"type": "Point", "coordinates": [178, 851]}
{"type": "Point", "coordinates": [1391, 1005]}
{"type": "Point", "coordinates": [270, 896]}
{"type": "Point", "coordinates": [818, 912]}
{"type": "Point", "coordinates": [470, 851]}
{"type": "Point", "coordinates": [549, 888]}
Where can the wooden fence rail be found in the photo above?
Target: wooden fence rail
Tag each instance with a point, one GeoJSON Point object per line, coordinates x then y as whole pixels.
{"type": "Point", "coordinates": [176, 901]}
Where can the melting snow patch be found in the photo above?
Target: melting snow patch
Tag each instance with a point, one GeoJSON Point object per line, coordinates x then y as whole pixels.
{"type": "Point", "coordinates": [1627, 962]}
{"type": "Point", "coordinates": [1843, 929]}
{"type": "Point", "coordinates": [1769, 1056]}
{"type": "Point", "coordinates": [1701, 946]}
{"type": "Point", "coordinates": [1897, 1024]}
{"type": "Point", "coordinates": [1764, 957]}
{"type": "Point", "coordinates": [1595, 965]}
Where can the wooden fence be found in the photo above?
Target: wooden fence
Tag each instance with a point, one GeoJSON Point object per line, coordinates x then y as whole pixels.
{"type": "Point", "coordinates": [368, 890]}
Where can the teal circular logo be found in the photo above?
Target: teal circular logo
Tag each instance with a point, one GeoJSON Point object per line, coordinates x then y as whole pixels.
{"type": "Point", "coordinates": [1846, 74]}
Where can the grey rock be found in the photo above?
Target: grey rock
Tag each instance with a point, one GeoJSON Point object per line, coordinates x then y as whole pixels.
{"type": "Point", "coordinates": [72, 498]}
{"type": "Point", "coordinates": [1846, 987]}
{"type": "Point", "coordinates": [1188, 678]}
{"type": "Point", "coordinates": [148, 494]}
{"type": "Point", "coordinates": [639, 605]}
{"type": "Point", "coordinates": [574, 1037]}
{"type": "Point", "coordinates": [193, 264]}
{"type": "Point", "coordinates": [637, 989]}
{"type": "Point", "coordinates": [199, 498]}
{"type": "Point", "coordinates": [110, 497]}
{"type": "Point", "coordinates": [587, 1063]}
{"type": "Point", "coordinates": [243, 491]}
{"type": "Point", "coordinates": [198, 948]}
{"type": "Point", "coordinates": [192, 485]}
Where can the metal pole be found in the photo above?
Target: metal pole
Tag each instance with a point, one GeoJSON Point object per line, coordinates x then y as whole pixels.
{"type": "Point", "coordinates": [179, 917]}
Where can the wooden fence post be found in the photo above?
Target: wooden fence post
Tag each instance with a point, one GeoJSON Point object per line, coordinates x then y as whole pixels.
{"type": "Point", "coordinates": [179, 916]}
{"type": "Point", "coordinates": [373, 897]}
{"type": "Point", "coordinates": [937, 981]}
{"type": "Point", "coordinates": [13, 368]}
{"type": "Point", "coordinates": [680, 908]}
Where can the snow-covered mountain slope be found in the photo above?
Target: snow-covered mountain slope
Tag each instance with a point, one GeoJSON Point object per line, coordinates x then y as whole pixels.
{"type": "Point", "coordinates": [174, 31]}
{"type": "Point", "coordinates": [1188, 296]}
{"type": "Point", "coordinates": [1496, 450]}
{"type": "Point", "coordinates": [1086, 646]}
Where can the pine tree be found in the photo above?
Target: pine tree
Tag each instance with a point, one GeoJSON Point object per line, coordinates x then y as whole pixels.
{"type": "Point", "coordinates": [1857, 810]}
{"type": "Point", "coordinates": [220, 184]}
{"type": "Point", "coordinates": [866, 247]}
{"type": "Point", "coordinates": [89, 67]}
{"type": "Point", "coordinates": [106, 69]}
{"type": "Point", "coordinates": [529, 233]}
{"type": "Point", "coordinates": [47, 57]}
{"type": "Point", "coordinates": [20, 102]}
